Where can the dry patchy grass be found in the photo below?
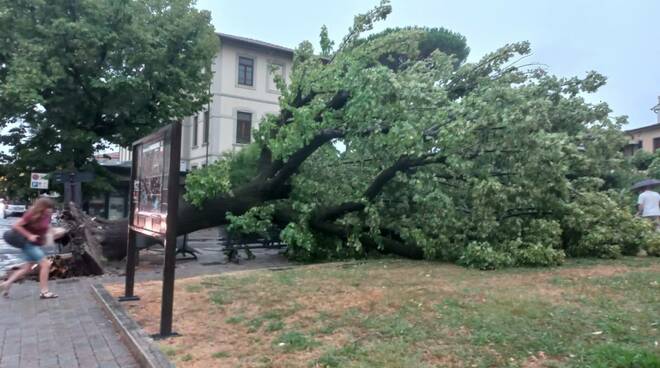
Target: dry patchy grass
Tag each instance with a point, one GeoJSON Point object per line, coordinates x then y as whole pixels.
{"type": "Point", "coordinates": [397, 313]}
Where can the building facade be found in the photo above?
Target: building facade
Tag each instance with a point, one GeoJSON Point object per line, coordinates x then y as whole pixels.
{"type": "Point", "coordinates": [646, 138]}
{"type": "Point", "coordinates": [243, 92]}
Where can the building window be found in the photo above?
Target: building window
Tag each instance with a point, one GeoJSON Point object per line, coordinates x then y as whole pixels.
{"type": "Point", "coordinates": [243, 127]}
{"type": "Point", "coordinates": [656, 144]}
{"type": "Point", "coordinates": [631, 148]}
{"type": "Point", "coordinates": [273, 71]}
{"type": "Point", "coordinates": [245, 71]}
{"type": "Point", "coordinates": [194, 131]}
{"type": "Point", "coordinates": [206, 126]}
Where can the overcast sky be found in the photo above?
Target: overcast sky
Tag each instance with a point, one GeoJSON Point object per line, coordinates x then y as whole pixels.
{"type": "Point", "coordinates": [620, 39]}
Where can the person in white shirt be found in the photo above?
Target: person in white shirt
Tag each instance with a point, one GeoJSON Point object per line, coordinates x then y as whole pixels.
{"type": "Point", "coordinates": [648, 204]}
{"type": "Point", "coordinates": [2, 208]}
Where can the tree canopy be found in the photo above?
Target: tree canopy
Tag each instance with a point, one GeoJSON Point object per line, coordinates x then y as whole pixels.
{"type": "Point", "coordinates": [393, 142]}
{"type": "Point", "coordinates": [77, 76]}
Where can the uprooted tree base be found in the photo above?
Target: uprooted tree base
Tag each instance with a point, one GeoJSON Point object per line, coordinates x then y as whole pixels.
{"type": "Point", "coordinates": [81, 247]}
{"type": "Point", "coordinates": [81, 244]}
{"type": "Point", "coordinates": [64, 266]}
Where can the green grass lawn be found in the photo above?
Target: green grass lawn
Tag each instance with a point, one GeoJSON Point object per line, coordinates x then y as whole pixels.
{"type": "Point", "coordinates": [397, 313]}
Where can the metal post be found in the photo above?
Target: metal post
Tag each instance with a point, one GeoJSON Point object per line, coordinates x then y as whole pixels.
{"type": "Point", "coordinates": [131, 248]}
{"type": "Point", "coordinates": [72, 188]}
{"type": "Point", "coordinates": [131, 260]}
{"type": "Point", "coordinates": [68, 194]}
{"type": "Point", "coordinates": [171, 233]}
{"type": "Point", "coordinates": [77, 193]}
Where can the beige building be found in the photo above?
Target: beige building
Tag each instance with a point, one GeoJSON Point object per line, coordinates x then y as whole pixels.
{"type": "Point", "coordinates": [646, 138]}
{"type": "Point", "coordinates": [243, 90]}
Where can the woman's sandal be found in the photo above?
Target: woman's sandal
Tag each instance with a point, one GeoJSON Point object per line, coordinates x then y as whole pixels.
{"type": "Point", "coordinates": [47, 295]}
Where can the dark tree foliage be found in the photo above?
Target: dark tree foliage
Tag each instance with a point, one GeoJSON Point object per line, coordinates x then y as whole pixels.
{"type": "Point", "coordinates": [77, 76]}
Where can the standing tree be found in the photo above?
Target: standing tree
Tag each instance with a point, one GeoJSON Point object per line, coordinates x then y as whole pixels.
{"type": "Point", "coordinates": [77, 76]}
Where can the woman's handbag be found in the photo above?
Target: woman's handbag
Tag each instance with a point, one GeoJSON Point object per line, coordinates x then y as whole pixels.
{"type": "Point", "coordinates": [14, 238]}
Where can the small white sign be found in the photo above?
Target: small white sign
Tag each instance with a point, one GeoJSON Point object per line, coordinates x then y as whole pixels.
{"type": "Point", "coordinates": [38, 181]}
{"type": "Point", "coordinates": [183, 166]}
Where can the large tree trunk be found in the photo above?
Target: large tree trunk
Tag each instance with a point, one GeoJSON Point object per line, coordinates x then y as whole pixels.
{"type": "Point", "coordinates": [271, 183]}
{"type": "Point", "coordinates": [260, 190]}
{"type": "Point", "coordinates": [190, 218]}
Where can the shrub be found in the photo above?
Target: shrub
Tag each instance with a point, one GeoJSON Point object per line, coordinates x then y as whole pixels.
{"type": "Point", "coordinates": [482, 255]}
{"type": "Point", "coordinates": [542, 231]}
{"type": "Point", "coordinates": [652, 244]}
{"type": "Point", "coordinates": [595, 225]}
{"type": "Point", "coordinates": [641, 160]}
{"type": "Point", "coordinates": [539, 255]}
{"type": "Point", "coordinates": [653, 170]}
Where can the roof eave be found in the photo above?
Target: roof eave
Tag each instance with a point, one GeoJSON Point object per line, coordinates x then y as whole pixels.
{"type": "Point", "coordinates": [642, 129]}
{"type": "Point", "coordinates": [254, 42]}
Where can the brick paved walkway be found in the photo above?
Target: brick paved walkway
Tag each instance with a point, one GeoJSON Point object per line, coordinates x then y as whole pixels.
{"type": "Point", "coordinates": [70, 331]}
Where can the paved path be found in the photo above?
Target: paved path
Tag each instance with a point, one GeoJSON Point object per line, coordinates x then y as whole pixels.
{"type": "Point", "coordinates": [70, 331]}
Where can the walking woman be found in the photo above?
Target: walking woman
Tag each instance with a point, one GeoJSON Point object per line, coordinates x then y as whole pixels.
{"type": "Point", "coordinates": [33, 226]}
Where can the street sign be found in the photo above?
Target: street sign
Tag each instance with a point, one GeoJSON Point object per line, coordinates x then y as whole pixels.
{"type": "Point", "coordinates": [71, 176]}
{"type": "Point", "coordinates": [38, 181]}
{"type": "Point", "coordinates": [72, 184]}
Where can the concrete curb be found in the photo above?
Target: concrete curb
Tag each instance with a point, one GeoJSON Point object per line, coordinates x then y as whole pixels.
{"type": "Point", "coordinates": [137, 341]}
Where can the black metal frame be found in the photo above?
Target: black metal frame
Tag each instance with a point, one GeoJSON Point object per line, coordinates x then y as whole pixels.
{"type": "Point", "coordinates": [244, 72]}
{"type": "Point", "coordinates": [238, 130]}
{"type": "Point", "coordinates": [170, 235]}
{"type": "Point", "coordinates": [236, 242]}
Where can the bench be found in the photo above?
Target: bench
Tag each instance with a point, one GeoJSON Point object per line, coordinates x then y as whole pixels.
{"type": "Point", "coordinates": [183, 248]}
{"type": "Point", "coordinates": [236, 242]}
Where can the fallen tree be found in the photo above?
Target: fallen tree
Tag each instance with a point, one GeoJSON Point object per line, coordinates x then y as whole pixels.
{"type": "Point", "coordinates": [392, 142]}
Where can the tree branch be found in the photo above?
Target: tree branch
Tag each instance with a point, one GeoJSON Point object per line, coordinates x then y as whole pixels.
{"type": "Point", "coordinates": [404, 163]}
{"type": "Point", "coordinates": [520, 212]}
{"type": "Point", "coordinates": [295, 160]}
{"type": "Point", "coordinates": [278, 170]}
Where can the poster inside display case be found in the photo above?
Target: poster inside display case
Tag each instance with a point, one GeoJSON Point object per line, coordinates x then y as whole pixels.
{"type": "Point", "coordinates": [150, 186]}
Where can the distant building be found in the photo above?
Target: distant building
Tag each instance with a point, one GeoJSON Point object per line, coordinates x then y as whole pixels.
{"type": "Point", "coordinates": [107, 157]}
{"type": "Point", "coordinates": [243, 91]}
{"type": "Point", "coordinates": [646, 138]}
